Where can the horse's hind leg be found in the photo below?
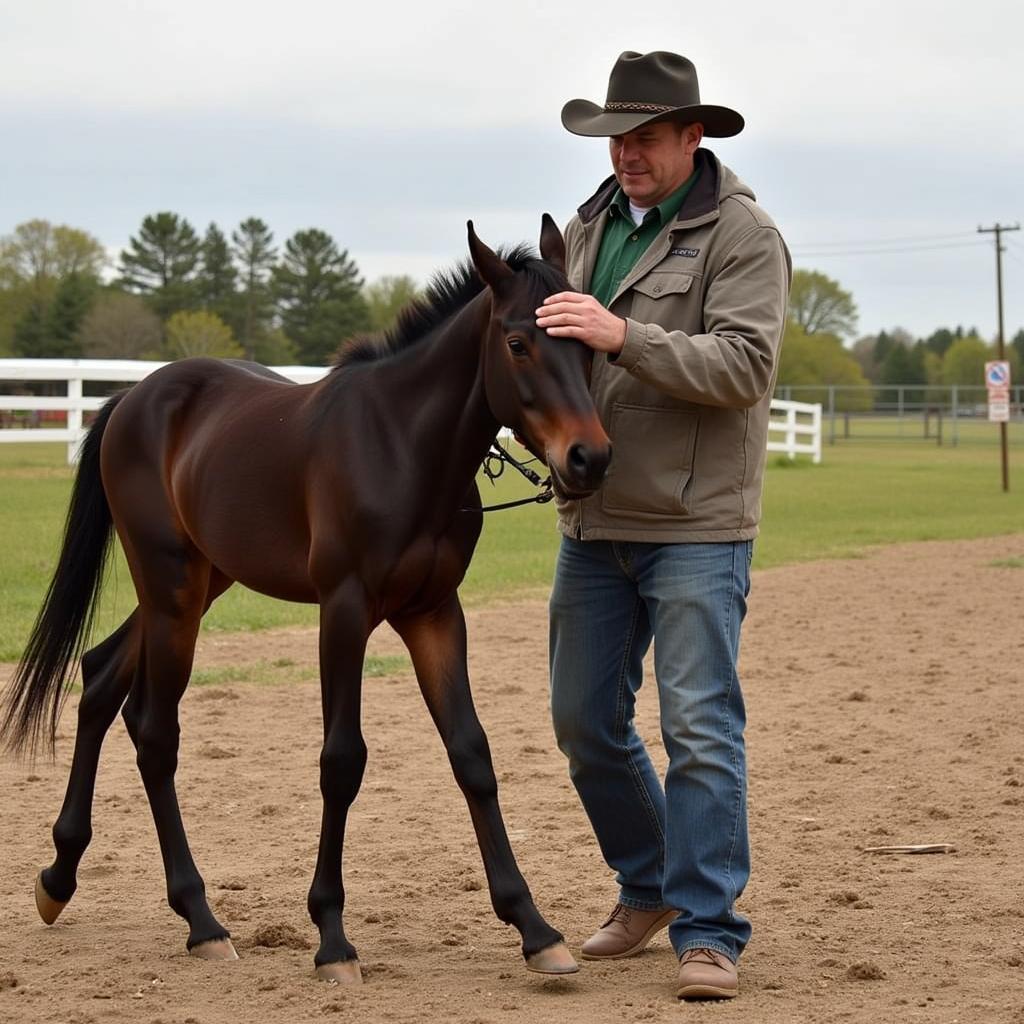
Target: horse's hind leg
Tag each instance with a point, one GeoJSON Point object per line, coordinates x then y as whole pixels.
{"type": "Point", "coordinates": [107, 672]}
{"type": "Point", "coordinates": [172, 594]}
{"type": "Point", "coordinates": [437, 643]}
{"type": "Point", "coordinates": [131, 710]}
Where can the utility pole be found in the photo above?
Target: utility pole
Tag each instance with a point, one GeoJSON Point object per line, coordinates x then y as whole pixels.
{"type": "Point", "coordinates": [998, 230]}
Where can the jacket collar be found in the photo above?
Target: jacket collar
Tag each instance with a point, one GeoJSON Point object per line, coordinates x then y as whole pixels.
{"type": "Point", "coordinates": [700, 201]}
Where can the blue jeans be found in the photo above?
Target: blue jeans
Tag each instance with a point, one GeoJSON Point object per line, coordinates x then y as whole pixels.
{"type": "Point", "coordinates": [685, 845]}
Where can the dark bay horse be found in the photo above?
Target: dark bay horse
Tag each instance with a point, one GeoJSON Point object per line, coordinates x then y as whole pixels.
{"type": "Point", "coordinates": [356, 493]}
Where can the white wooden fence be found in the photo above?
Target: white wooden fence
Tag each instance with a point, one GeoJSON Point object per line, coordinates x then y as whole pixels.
{"type": "Point", "coordinates": [800, 427]}
{"type": "Point", "coordinates": [73, 373]}
{"type": "Point", "coordinates": [798, 423]}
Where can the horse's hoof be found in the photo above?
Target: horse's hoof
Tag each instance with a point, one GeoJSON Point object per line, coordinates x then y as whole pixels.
{"type": "Point", "coordinates": [49, 908]}
{"type": "Point", "coordinates": [215, 949]}
{"type": "Point", "coordinates": [343, 972]}
{"type": "Point", "coordinates": [555, 959]}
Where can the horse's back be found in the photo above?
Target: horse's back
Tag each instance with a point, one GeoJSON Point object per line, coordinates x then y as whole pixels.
{"type": "Point", "coordinates": [191, 390]}
{"type": "Point", "coordinates": [258, 369]}
{"type": "Point", "coordinates": [198, 373]}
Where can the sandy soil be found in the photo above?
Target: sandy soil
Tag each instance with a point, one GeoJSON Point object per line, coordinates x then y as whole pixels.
{"type": "Point", "coordinates": [885, 701]}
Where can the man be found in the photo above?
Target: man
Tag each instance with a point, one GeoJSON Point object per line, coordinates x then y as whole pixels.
{"type": "Point", "coordinates": [688, 280]}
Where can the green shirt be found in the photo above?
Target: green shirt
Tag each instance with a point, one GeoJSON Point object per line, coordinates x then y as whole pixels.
{"type": "Point", "coordinates": [623, 242]}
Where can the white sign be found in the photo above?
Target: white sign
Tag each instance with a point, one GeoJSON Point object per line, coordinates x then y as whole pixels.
{"type": "Point", "coordinates": [997, 374]}
{"type": "Point", "coordinates": [998, 412]}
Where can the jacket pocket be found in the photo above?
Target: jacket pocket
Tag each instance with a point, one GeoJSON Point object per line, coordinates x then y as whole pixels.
{"type": "Point", "coordinates": [667, 298]}
{"type": "Point", "coordinates": [652, 466]}
{"type": "Point", "coordinates": [658, 283]}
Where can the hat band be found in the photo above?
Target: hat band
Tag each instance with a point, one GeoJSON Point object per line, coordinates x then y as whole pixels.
{"type": "Point", "coordinates": [636, 108]}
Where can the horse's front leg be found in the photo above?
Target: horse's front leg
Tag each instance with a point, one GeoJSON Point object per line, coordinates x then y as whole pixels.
{"type": "Point", "coordinates": [437, 643]}
{"type": "Point", "coordinates": [344, 629]}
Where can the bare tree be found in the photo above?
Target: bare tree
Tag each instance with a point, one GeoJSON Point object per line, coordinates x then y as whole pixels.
{"type": "Point", "coordinates": [120, 327]}
{"type": "Point", "coordinates": [39, 252]}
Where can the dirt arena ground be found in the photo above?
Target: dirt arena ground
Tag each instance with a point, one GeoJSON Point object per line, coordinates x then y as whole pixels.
{"type": "Point", "coordinates": [886, 705]}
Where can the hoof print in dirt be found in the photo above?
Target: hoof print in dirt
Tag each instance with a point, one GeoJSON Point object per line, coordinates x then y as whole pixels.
{"type": "Point", "coordinates": [864, 970]}
{"type": "Point", "coordinates": [278, 936]}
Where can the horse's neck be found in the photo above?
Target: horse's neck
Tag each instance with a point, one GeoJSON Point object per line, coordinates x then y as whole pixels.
{"type": "Point", "coordinates": [438, 383]}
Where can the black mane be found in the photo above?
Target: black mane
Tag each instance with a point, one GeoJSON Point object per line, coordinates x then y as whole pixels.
{"type": "Point", "coordinates": [447, 293]}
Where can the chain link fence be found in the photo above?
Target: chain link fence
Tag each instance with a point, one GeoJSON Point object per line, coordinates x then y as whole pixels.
{"type": "Point", "coordinates": [940, 415]}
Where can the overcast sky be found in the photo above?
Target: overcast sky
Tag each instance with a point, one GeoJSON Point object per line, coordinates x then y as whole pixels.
{"type": "Point", "coordinates": [880, 135]}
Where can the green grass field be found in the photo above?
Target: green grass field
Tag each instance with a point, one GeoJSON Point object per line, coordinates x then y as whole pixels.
{"type": "Point", "coordinates": [862, 494]}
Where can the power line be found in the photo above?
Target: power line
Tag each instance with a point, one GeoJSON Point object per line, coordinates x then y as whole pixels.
{"type": "Point", "coordinates": [803, 253]}
{"type": "Point", "coordinates": [998, 230]}
{"type": "Point", "coordinates": [858, 242]}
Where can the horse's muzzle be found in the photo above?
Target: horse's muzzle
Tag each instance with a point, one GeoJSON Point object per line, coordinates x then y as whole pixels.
{"type": "Point", "coordinates": [583, 469]}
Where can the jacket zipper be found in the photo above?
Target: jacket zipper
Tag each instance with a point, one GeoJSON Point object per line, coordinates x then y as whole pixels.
{"type": "Point", "coordinates": [583, 283]}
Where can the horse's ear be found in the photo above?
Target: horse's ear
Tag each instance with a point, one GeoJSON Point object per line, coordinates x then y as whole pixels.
{"type": "Point", "coordinates": [552, 245]}
{"type": "Point", "coordinates": [493, 270]}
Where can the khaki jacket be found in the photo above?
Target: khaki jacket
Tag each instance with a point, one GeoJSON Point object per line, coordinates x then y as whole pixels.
{"type": "Point", "coordinates": [686, 401]}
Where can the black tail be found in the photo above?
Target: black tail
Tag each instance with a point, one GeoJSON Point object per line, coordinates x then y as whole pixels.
{"type": "Point", "coordinates": [37, 692]}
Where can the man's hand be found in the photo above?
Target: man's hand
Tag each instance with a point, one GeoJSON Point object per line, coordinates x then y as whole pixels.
{"type": "Point", "coordinates": [574, 315]}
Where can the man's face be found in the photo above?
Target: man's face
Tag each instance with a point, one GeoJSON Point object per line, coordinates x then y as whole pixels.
{"type": "Point", "coordinates": [653, 161]}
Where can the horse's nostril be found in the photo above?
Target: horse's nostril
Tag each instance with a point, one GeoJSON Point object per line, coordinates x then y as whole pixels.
{"type": "Point", "coordinates": [577, 459]}
{"type": "Point", "coordinates": [585, 465]}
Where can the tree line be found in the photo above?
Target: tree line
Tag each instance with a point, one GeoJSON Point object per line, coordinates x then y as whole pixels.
{"type": "Point", "coordinates": [177, 293]}
{"type": "Point", "coordinates": [822, 318]}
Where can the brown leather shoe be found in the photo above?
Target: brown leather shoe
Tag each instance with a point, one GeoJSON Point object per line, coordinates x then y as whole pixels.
{"type": "Point", "coordinates": [707, 974]}
{"type": "Point", "coordinates": [626, 932]}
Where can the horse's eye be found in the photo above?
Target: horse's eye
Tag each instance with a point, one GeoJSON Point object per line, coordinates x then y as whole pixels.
{"type": "Point", "coordinates": [516, 346]}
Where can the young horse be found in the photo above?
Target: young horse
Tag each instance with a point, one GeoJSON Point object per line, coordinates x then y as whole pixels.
{"type": "Point", "coordinates": [356, 493]}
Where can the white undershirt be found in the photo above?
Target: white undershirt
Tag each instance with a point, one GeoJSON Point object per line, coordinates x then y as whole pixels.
{"type": "Point", "coordinates": [638, 212]}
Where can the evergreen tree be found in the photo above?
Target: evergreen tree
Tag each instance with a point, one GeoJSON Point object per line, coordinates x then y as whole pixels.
{"type": "Point", "coordinates": [48, 329]}
{"type": "Point", "coordinates": [253, 248]}
{"type": "Point", "coordinates": [161, 262]}
{"type": "Point", "coordinates": [904, 365]}
{"type": "Point", "coordinates": [71, 303]}
{"type": "Point", "coordinates": [317, 289]}
{"type": "Point", "coordinates": [217, 275]}
{"type": "Point", "coordinates": [884, 344]}
{"type": "Point", "coordinates": [895, 368]}
{"type": "Point", "coordinates": [30, 330]}
{"type": "Point", "coordinates": [940, 340]}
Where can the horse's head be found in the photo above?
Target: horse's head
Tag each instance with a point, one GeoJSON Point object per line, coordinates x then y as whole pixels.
{"type": "Point", "coordinates": [538, 385]}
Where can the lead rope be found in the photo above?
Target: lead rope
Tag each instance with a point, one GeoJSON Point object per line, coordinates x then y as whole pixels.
{"type": "Point", "coordinates": [494, 465]}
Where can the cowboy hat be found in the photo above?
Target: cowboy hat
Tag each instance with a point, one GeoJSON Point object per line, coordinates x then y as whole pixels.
{"type": "Point", "coordinates": [645, 87]}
